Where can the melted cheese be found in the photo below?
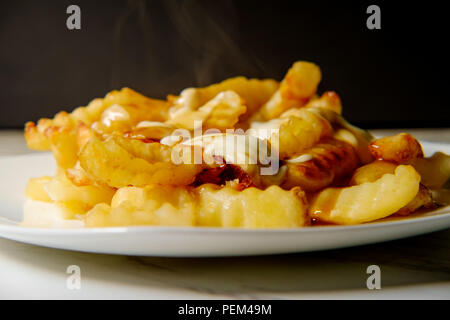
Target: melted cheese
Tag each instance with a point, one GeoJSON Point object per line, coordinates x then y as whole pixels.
{"type": "Point", "coordinates": [153, 124]}
{"type": "Point", "coordinates": [114, 113]}
{"type": "Point", "coordinates": [248, 152]}
{"type": "Point", "coordinates": [300, 159]}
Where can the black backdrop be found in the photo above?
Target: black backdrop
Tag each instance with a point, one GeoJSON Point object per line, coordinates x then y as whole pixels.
{"type": "Point", "coordinates": [393, 77]}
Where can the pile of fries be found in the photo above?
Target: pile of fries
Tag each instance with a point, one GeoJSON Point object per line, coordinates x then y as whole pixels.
{"type": "Point", "coordinates": [273, 155]}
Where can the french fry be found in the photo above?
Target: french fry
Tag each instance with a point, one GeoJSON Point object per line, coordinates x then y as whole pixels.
{"type": "Point", "coordinates": [401, 148]}
{"type": "Point", "coordinates": [118, 168]}
{"type": "Point", "coordinates": [318, 167]}
{"type": "Point", "coordinates": [298, 86]}
{"type": "Point", "coordinates": [368, 201]}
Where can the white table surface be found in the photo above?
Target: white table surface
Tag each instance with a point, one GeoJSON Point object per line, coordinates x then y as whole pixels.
{"type": "Point", "coordinates": [414, 268]}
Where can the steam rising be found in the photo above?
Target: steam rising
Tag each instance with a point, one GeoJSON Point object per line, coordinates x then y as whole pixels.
{"type": "Point", "coordinates": [184, 43]}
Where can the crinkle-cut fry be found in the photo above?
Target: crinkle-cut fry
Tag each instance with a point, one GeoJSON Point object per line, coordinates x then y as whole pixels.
{"type": "Point", "coordinates": [294, 131]}
{"type": "Point", "coordinates": [147, 108]}
{"type": "Point", "coordinates": [83, 134]}
{"type": "Point", "coordinates": [38, 137]}
{"type": "Point", "coordinates": [222, 112]}
{"type": "Point", "coordinates": [329, 161]}
{"type": "Point", "coordinates": [328, 100]}
{"type": "Point", "coordinates": [72, 199]}
{"type": "Point", "coordinates": [275, 106]}
{"type": "Point", "coordinates": [78, 176]}
{"type": "Point", "coordinates": [368, 201]}
{"type": "Point", "coordinates": [153, 109]}
{"type": "Point", "coordinates": [64, 146]}
{"type": "Point", "coordinates": [254, 92]}
{"type": "Point", "coordinates": [34, 135]}
{"type": "Point", "coordinates": [116, 118]}
{"type": "Point", "coordinates": [375, 170]}
{"type": "Point", "coordinates": [152, 205]}
{"type": "Point", "coordinates": [62, 120]}
{"type": "Point", "coordinates": [251, 208]}
{"type": "Point", "coordinates": [435, 170]}
{"type": "Point", "coordinates": [149, 151]}
{"type": "Point", "coordinates": [108, 162]}
{"type": "Point", "coordinates": [298, 86]}
{"type": "Point", "coordinates": [61, 189]}
{"type": "Point", "coordinates": [372, 172]}
{"type": "Point", "coordinates": [126, 108]}
{"type": "Point", "coordinates": [400, 148]}
{"type": "Point", "coordinates": [35, 189]}
{"type": "Point", "coordinates": [139, 106]}
{"type": "Point", "coordinates": [61, 135]}
{"type": "Point", "coordinates": [90, 113]}
{"type": "Point", "coordinates": [301, 130]}
{"type": "Point", "coordinates": [301, 81]}
{"type": "Point", "coordinates": [207, 205]}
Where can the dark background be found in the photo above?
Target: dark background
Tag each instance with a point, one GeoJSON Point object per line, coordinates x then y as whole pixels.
{"type": "Point", "coordinates": [393, 77]}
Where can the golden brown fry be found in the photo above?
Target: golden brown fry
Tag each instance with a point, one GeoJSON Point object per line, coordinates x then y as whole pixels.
{"type": "Point", "coordinates": [301, 130]}
{"type": "Point", "coordinates": [207, 205]}
{"type": "Point", "coordinates": [254, 93]}
{"type": "Point", "coordinates": [91, 112]}
{"type": "Point", "coordinates": [35, 137]}
{"type": "Point", "coordinates": [78, 177]}
{"type": "Point", "coordinates": [75, 199]}
{"type": "Point", "coordinates": [275, 107]}
{"type": "Point", "coordinates": [372, 172]}
{"type": "Point", "coordinates": [152, 205]}
{"type": "Point", "coordinates": [297, 87]}
{"type": "Point", "coordinates": [150, 151]}
{"type": "Point", "coordinates": [293, 132]}
{"type": "Point", "coordinates": [401, 148]}
{"type": "Point", "coordinates": [368, 201]}
{"type": "Point", "coordinates": [221, 112]}
{"type": "Point", "coordinates": [109, 163]}
{"type": "Point", "coordinates": [137, 106]}
{"type": "Point", "coordinates": [251, 208]}
{"type": "Point", "coordinates": [42, 136]}
{"type": "Point", "coordinates": [64, 146]}
{"type": "Point", "coordinates": [301, 81]}
{"type": "Point", "coordinates": [83, 133]}
{"type": "Point", "coordinates": [144, 107]}
{"type": "Point", "coordinates": [118, 161]}
{"type": "Point", "coordinates": [61, 189]}
{"type": "Point", "coordinates": [375, 170]}
{"type": "Point", "coordinates": [326, 163]}
{"type": "Point", "coordinates": [329, 100]}
{"type": "Point", "coordinates": [35, 189]}
{"type": "Point", "coordinates": [124, 109]}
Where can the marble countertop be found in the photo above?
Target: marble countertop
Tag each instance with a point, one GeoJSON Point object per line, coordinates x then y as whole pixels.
{"type": "Point", "coordinates": [413, 268]}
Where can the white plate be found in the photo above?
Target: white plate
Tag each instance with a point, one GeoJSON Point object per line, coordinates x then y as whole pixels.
{"type": "Point", "coordinates": [192, 242]}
